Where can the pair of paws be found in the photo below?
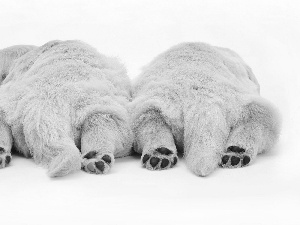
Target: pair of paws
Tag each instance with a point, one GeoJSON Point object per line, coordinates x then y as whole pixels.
{"type": "Point", "coordinates": [93, 162]}
{"type": "Point", "coordinates": [160, 158]}
{"type": "Point", "coordinates": [163, 158]}
{"type": "Point", "coordinates": [97, 163]}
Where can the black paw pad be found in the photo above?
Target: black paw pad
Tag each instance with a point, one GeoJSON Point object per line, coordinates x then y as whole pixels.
{"type": "Point", "coordinates": [90, 155]}
{"type": "Point", "coordinates": [164, 151]}
{"type": "Point", "coordinates": [154, 161]}
{"type": "Point", "coordinates": [7, 159]}
{"type": "Point", "coordinates": [174, 161]}
{"type": "Point", "coordinates": [225, 159]}
{"type": "Point", "coordinates": [107, 159]}
{"type": "Point", "coordinates": [235, 149]}
{"type": "Point", "coordinates": [146, 158]}
{"type": "Point", "coordinates": [164, 163]}
{"type": "Point", "coordinates": [100, 165]}
{"type": "Point", "coordinates": [246, 160]}
{"type": "Point", "coordinates": [2, 150]}
{"type": "Point", "coordinates": [235, 160]}
{"type": "Point", "coordinates": [91, 167]}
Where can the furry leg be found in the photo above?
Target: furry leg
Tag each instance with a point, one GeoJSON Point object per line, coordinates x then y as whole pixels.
{"type": "Point", "coordinates": [256, 131]}
{"type": "Point", "coordinates": [243, 145]}
{"type": "Point", "coordinates": [205, 136]}
{"type": "Point", "coordinates": [99, 141]}
{"type": "Point", "coordinates": [5, 144]}
{"type": "Point", "coordinates": [155, 141]}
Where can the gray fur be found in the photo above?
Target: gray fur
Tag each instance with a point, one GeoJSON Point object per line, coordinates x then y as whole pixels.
{"type": "Point", "coordinates": [60, 97]}
{"type": "Point", "coordinates": [8, 57]}
{"type": "Point", "coordinates": [202, 99]}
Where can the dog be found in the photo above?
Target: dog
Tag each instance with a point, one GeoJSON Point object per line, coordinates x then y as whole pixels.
{"type": "Point", "coordinates": [65, 105]}
{"type": "Point", "coordinates": [204, 101]}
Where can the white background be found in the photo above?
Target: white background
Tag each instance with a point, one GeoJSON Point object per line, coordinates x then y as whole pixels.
{"type": "Point", "coordinates": [267, 36]}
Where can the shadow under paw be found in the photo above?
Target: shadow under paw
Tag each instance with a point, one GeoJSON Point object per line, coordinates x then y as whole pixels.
{"type": "Point", "coordinates": [5, 158]}
{"type": "Point", "coordinates": [159, 159]}
{"type": "Point", "coordinates": [235, 157]}
{"type": "Point", "coordinates": [97, 163]}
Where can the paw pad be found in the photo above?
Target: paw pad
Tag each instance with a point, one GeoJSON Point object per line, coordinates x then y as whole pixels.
{"type": "Point", "coordinates": [234, 160]}
{"type": "Point", "coordinates": [225, 159]}
{"type": "Point", "coordinates": [107, 159]}
{"type": "Point", "coordinates": [5, 158]}
{"type": "Point", "coordinates": [100, 165]}
{"type": "Point", "coordinates": [164, 163]}
{"type": "Point", "coordinates": [154, 161]}
{"type": "Point", "coordinates": [235, 149]}
{"type": "Point", "coordinates": [164, 151]}
{"type": "Point", "coordinates": [174, 161]}
{"type": "Point", "coordinates": [145, 158]}
{"type": "Point", "coordinates": [90, 155]}
{"type": "Point", "coordinates": [246, 160]}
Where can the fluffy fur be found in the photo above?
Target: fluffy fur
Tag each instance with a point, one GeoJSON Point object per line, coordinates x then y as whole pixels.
{"type": "Point", "coordinates": [204, 100]}
{"type": "Point", "coordinates": [62, 97]}
{"type": "Point", "coordinates": [9, 55]}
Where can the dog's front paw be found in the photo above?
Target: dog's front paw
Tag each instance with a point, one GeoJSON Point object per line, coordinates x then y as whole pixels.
{"type": "Point", "coordinates": [97, 163]}
{"type": "Point", "coordinates": [5, 158]}
{"type": "Point", "coordinates": [159, 159]}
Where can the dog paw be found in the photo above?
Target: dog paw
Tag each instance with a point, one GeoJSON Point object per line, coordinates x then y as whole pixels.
{"type": "Point", "coordinates": [5, 158]}
{"type": "Point", "coordinates": [97, 163]}
{"type": "Point", "coordinates": [159, 159]}
{"type": "Point", "coordinates": [235, 157]}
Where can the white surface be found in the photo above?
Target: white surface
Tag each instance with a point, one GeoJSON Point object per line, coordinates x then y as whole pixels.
{"type": "Point", "coordinates": [265, 33]}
